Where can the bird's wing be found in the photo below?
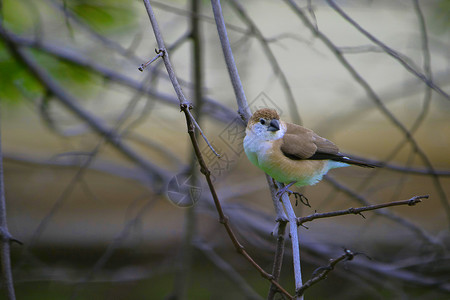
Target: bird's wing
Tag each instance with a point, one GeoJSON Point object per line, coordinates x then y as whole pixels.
{"type": "Point", "coordinates": [302, 143]}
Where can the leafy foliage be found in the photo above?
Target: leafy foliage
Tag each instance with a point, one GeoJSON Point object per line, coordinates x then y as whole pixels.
{"type": "Point", "coordinates": [105, 16]}
{"type": "Point", "coordinates": [111, 16]}
{"type": "Point", "coordinates": [15, 80]}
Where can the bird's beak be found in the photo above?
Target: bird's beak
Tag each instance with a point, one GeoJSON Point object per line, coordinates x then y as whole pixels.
{"type": "Point", "coordinates": [274, 125]}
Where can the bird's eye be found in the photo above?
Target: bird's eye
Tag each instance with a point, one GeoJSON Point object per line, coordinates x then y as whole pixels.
{"type": "Point", "coordinates": [262, 121]}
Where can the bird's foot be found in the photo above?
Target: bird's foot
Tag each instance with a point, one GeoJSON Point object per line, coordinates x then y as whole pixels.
{"type": "Point", "coordinates": [302, 198]}
{"type": "Point", "coordinates": [284, 190]}
{"type": "Point", "coordinates": [297, 195]}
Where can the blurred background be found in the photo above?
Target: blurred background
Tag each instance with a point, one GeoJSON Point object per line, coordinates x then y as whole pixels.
{"type": "Point", "coordinates": [102, 187]}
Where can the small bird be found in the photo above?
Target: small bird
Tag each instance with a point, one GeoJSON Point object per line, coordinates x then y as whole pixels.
{"type": "Point", "coordinates": [290, 153]}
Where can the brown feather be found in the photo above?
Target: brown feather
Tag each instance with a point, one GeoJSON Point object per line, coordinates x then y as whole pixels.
{"type": "Point", "coordinates": [302, 143]}
{"type": "Point", "coordinates": [264, 113]}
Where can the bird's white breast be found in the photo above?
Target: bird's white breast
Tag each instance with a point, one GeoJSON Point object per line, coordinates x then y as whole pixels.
{"type": "Point", "coordinates": [255, 148]}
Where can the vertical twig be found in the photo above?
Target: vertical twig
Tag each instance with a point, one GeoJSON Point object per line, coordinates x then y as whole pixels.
{"type": "Point", "coordinates": [281, 215]}
{"type": "Point", "coordinates": [293, 231]}
{"type": "Point", "coordinates": [278, 259]}
{"type": "Point", "coordinates": [162, 47]}
{"type": "Point", "coordinates": [279, 231]}
{"type": "Point", "coordinates": [243, 109]}
{"type": "Point", "coordinates": [223, 219]}
{"type": "Point", "coordinates": [190, 226]}
{"type": "Point", "coordinates": [6, 238]}
{"type": "Point", "coordinates": [244, 112]}
{"type": "Point", "coordinates": [293, 109]}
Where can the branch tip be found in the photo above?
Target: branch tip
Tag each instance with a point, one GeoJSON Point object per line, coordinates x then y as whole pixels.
{"type": "Point", "coordinates": [159, 53]}
{"type": "Point", "coordinates": [417, 199]}
{"type": "Point", "coordinates": [13, 240]}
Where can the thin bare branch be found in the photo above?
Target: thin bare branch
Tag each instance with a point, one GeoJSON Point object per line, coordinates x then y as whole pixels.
{"type": "Point", "coordinates": [113, 246]}
{"type": "Point", "coordinates": [293, 230]}
{"type": "Point", "coordinates": [228, 270]}
{"type": "Point", "coordinates": [279, 231]}
{"type": "Point", "coordinates": [78, 177]}
{"type": "Point", "coordinates": [278, 257]}
{"type": "Point", "coordinates": [322, 272]}
{"type": "Point", "coordinates": [373, 272]}
{"type": "Point", "coordinates": [211, 107]}
{"type": "Point", "coordinates": [202, 134]}
{"type": "Point", "coordinates": [184, 263]}
{"type": "Point", "coordinates": [5, 239]}
{"type": "Point", "coordinates": [92, 33]}
{"type": "Point", "coordinates": [243, 109]}
{"type": "Point", "coordinates": [293, 109]}
{"type": "Point", "coordinates": [360, 49]}
{"type": "Point", "coordinates": [145, 65]}
{"type": "Point", "coordinates": [359, 210]}
{"type": "Point", "coordinates": [388, 214]}
{"type": "Point", "coordinates": [131, 173]}
{"type": "Point", "coordinates": [395, 54]}
{"type": "Point", "coordinates": [185, 106]}
{"type": "Point", "coordinates": [67, 100]}
{"type": "Point", "coordinates": [184, 12]}
{"type": "Point", "coordinates": [376, 99]}
{"type": "Point", "coordinates": [223, 219]}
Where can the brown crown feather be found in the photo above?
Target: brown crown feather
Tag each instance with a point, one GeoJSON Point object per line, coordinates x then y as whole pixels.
{"type": "Point", "coordinates": [264, 113]}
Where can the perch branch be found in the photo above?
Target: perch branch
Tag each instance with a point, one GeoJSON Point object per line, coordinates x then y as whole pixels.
{"type": "Point", "coordinates": [293, 230]}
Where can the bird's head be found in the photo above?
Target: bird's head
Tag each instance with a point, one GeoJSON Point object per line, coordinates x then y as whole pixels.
{"type": "Point", "coordinates": [265, 123]}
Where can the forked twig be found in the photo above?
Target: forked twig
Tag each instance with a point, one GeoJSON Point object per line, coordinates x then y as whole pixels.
{"type": "Point", "coordinates": [202, 134]}
{"type": "Point", "coordinates": [322, 272]}
{"type": "Point", "coordinates": [376, 99]}
{"type": "Point", "coordinates": [396, 55]}
{"type": "Point", "coordinates": [185, 106]}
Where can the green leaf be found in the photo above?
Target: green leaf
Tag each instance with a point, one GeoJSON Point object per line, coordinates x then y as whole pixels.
{"type": "Point", "coordinates": [105, 15]}
{"type": "Point", "coordinates": [15, 82]}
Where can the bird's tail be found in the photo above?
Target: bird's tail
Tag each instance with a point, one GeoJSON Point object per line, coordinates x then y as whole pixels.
{"type": "Point", "coordinates": [356, 162]}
